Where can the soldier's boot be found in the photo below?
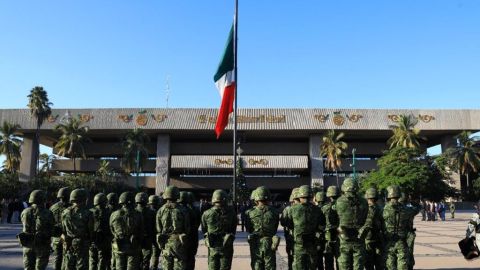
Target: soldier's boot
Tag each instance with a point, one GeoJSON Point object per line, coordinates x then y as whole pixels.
{"type": "Point", "coordinates": [58, 252]}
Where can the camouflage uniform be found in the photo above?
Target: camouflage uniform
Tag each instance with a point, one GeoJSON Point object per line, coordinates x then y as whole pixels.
{"type": "Point", "coordinates": [308, 224]}
{"type": "Point", "coordinates": [262, 224]}
{"type": "Point", "coordinates": [77, 223]}
{"type": "Point", "coordinates": [57, 242]}
{"type": "Point", "coordinates": [173, 224]}
{"type": "Point", "coordinates": [148, 236]}
{"type": "Point", "coordinates": [112, 206]}
{"type": "Point", "coordinates": [352, 211]}
{"type": "Point", "coordinates": [320, 202]}
{"type": "Point", "coordinates": [186, 199]}
{"type": "Point", "coordinates": [285, 219]}
{"type": "Point", "coordinates": [412, 211]}
{"type": "Point", "coordinates": [154, 203]}
{"type": "Point", "coordinates": [126, 225]}
{"type": "Point", "coordinates": [219, 225]}
{"type": "Point", "coordinates": [37, 230]}
{"type": "Point", "coordinates": [100, 249]}
{"type": "Point", "coordinates": [374, 231]}
{"type": "Point", "coordinates": [396, 220]}
{"type": "Point", "coordinates": [332, 244]}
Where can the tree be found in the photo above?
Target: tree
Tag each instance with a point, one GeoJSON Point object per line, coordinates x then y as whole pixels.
{"type": "Point", "coordinates": [243, 194]}
{"type": "Point", "coordinates": [135, 152]}
{"type": "Point", "coordinates": [465, 156]}
{"type": "Point", "coordinates": [46, 161]}
{"type": "Point", "coordinates": [332, 148]}
{"type": "Point", "coordinates": [405, 134]}
{"type": "Point", "coordinates": [40, 109]}
{"type": "Point", "coordinates": [72, 139]}
{"type": "Point", "coordinates": [10, 144]}
{"type": "Point", "coordinates": [104, 171]}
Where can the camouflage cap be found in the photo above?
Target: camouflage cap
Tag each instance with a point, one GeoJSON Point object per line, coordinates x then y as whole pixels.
{"type": "Point", "coordinates": [393, 191]}
{"type": "Point", "coordinates": [332, 191]}
{"type": "Point", "coordinates": [349, 185]}
{"type": "Point", "coordinates": [262, 194]}
{"type": "Point", "coordinates": [320, 196]}
{"type": "Point", "coordinates": [371, 193]}
{"type": "Point", "coordinates": [304, 191]}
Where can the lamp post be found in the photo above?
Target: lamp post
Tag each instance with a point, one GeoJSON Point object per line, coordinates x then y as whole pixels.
{"type": "Point", "coordinates": [137, 168]}
{"type": "Point", "coordinates": [353, 164]}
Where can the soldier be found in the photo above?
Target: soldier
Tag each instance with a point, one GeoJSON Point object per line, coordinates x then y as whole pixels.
{"type": "Point", "coordinates": [262, 224]}
{"type": "Point", "coordinates": [154, 203]}
{"type": "Point", "coordinates": [148, 236]}
{"type": "Point", "coordinates": [35, 237]}
{"type": "Point", "coordinates": [112, 206]}
{"type": "Point", "coordinates": [126, 225]}
{"type": "Point", "coordinates": [173, 225]}
{"type": "Point", "coordinates": [331, 235]}
{"type": "Point", "coordinates": [285, 219]}
{"type": "Point", "coordinates": [186, 200]}
{"type": "Point", "coordinates": [319, 200]}
{"type": "Point", "coordinates": [77, 223]}
{"type": "Point", "coordinates": [452, 209]}
{"type": "Point", "coordinates": [308, 223]}
{"type": "Point", "coordinates": [57, 209]}
{"type": "Point", "coordinates": [100, 249]}
{"type": "Point", "coordinates": [396, 220]}
{"type": "Point", "coordinates": [412, 211]}
{"type": "Point", "coordinates": [374, 230]}
{"type": "Point", "coordinates": [219, 225]}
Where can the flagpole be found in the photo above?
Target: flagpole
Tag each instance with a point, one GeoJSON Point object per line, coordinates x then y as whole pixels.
{"type": "Point", "coordinates": [235, 47]}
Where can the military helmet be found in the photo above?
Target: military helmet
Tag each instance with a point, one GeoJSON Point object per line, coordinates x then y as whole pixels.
{"type": "Point", "coordinates": [126, 198]}
{"type": "Point", "coordinates": [295, 193]}
{"type": "Point", "coordinates": [112, 198]}
{"type": "Point", "coordinates": [253, 194]}
{"type": "Point", "coordinates": [191, 197]}
{"type": "Point", "coordinates": [183, 198]}
{"type": "Point", "coordinates": [393, 191]}
{"type": "Point", "coordinates": [154, 200]}
{"type": "Point", "coordinates": [78, 195]}
{"type": "Point", "coordinates": [100, 199]}
{"type": "Point", "coordinates": [320, 196]}
{"type": "Point", "coordinates": [332, 191]}
{"type": "Point", "coordinates": [371, 193]}
{"type": "Point", "coordinates": [171, 193]}
{"type": "Point", "coordinates": [63, 193]}
{"type": "Point", "coordinates": [219, 196]}
{"type": "Point", "coordinates": [304, 192]}
{"type": "Point", "coordinates": [37, 197]}
{"type": "Point", "coordinates": [141, 197]}
{"type": "Point", "coordinates": [262, 194]}
{"type": "Point", "coordinates": [349, 185]}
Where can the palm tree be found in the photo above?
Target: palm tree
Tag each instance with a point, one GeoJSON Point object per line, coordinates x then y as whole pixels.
{"type": "Point", "coordinates": [332, 148]}
{"type": "Point", "coordinates": [135, 151]}
{"type": "Point", "coordinates": [10, 146]}
{"type": "Point", "coordinates": [465, 156]}
{"type": "Point", "coordinates": [104, 170]}
{"type": "Point", "coordinates": [72, 139]}
{"type": "Point", "coordinates": [405, 134]}
{"type": "Point", "coordinates": [40, 109]}
{"type": "Point", "coordinates": [46, 160]}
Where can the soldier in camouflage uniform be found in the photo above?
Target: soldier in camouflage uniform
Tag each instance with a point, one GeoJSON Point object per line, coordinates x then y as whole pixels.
{"type": "Point", "coordinates": [148, 236]}
{"type": "Point", "coordinates": [37, 232]}
{"type": "Point", "coordinates": [308, 224]}
{"type": "Point", "coordinates": [100, 249]}
{"type": "Point", "coordinates": [262, 224]}
{"type": "Point", "coordinates": [173, 224]}
{"type": "Point", "coordinates": [412, 211]}
{"type": "Point", "coordinates": [57, 242]}
{"type": "Point", "coordinates": [332, 244]}
{"type": "Point", "coordinates": [319, 200]}
{"type": "Point", "coordinates": [154, 204]}
{"type": "Point", "coordinates": [126, 225]}
{"type": "Point", "coordinates": [288, 227]}
{"type": "Point", "coordinates": [186, 200]}
{"type": "Point", "coordinates": [77, 223]}
{"type": "Point", "coordinates": [374, 231]}
{"type": "Point", "coordinates": [219, 225]}
{"type": "Point", "coordinates": [112, 206]}
{"type": "Point", "coordinates": [396, 219]}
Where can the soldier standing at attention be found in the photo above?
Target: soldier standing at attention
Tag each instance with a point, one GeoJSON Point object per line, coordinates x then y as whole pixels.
{"type": "Point", "coordinates": [148, 236]}
{"type": "Point", "coordinates": [100, 249]}
{"type": "Point", "coordinates": [374, 231]}
{"type": "Point", "coordinates": [112, 206]}
{"type": "Point", "coordinates": [126, 225]}
{"type": "Point", "coordinates": [186, 200]}
{"type": "Point", "coordinates": [173, 224]}
{"type": "Point", "coordinates": [35, 237]}
{"type": "Point", "coordinates": [320, 202]}
{"type": "Point", "coordinates": [331, 235]}
{"type": "Point", "coordinates": [412, 211]}
{"type": "Point", "coordinates": [285, 219]}
{"type": "Point", "coordinates": [308, 223]}
{"type": "Point", "coordinates": [154, 204]}
{"type": "Point", "coordinates": [57, 242]}
{"type": "Point", "coordinates": [77, 222]}
{"type": "Point", "coordinates": [396, 221]}
{"type": "Point", "coordinates": [219, 225]}
{"type": "Point", "coordinates": [262, 224]}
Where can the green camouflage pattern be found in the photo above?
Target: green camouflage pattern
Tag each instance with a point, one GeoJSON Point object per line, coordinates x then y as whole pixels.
{"type": "Point", "coordinates": [285, 219]}
{"type": "Point", "coordinates": [396, 219]}
{"type": "Point", "coordinates": [374, 239]}
{"type": "Point", "coordinates": [149, 232]}
{"type": "Point", "coordinates": [332, 243]}
{"type": "Point", "coordinates": [194, 216]}
{"type": "Point", "coordinates": [57, 242]}
{"type": "Point", "coordinates": [101, 247]}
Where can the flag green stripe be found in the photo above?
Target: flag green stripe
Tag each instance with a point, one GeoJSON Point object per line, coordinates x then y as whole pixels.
{"type": "Point", "coordinates": [226, 64]}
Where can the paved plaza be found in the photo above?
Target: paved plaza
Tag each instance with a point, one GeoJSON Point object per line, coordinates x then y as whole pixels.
{"type": "Point", "coordinates": [435, 248]}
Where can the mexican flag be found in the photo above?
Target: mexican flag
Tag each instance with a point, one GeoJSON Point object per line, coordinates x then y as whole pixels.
{"type": "Point", "coordinates": [225, 82]}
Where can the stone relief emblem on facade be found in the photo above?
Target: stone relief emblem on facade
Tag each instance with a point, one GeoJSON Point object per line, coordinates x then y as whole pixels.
{"type": "Point", "coordinates": [426, 118]}
{"type": "Point", "coordinates": [159, 117]}
{"type": "Point", "coordinates": [52, 118]}
{"type": "Point", "coordinates": [85, 117]}
{"type": "Point", "coordinates": [354, 117]}
{"type": "Point", "coordinates": [219, 161]}
{"type": "Point", "coordinates": [142, 118]}
{"type": "Point", "coordinates": [126, 118]}
{"type": "Point", "coordinates": [338, 119]}
{"type": "Point", "coordinates": [322, 118]}
{"type": "Point", "coordinates": [254, 162]}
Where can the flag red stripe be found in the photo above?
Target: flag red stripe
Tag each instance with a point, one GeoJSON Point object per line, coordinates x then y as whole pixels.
{"type": "Point", "coordinates": [225, 109]}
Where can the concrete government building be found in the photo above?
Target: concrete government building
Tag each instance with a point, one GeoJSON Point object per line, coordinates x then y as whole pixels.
{"type": "Point", "coordinates": [280, 146]}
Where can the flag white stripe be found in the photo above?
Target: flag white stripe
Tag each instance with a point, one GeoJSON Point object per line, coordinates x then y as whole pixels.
{"type": "Point", "coordinates": [226, 80]}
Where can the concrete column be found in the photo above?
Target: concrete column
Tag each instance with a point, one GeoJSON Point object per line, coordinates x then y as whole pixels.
{"type": "Point", "coordinates": [163, 163]}
{"type": "Point", "coordinates": [29, 152]}
{"type": "Point", "coordinates": [457, 181]}
{"type": "Point", "coordinates": [316, 162]}
{"type": "Point", "coordinates": [447, 142]}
